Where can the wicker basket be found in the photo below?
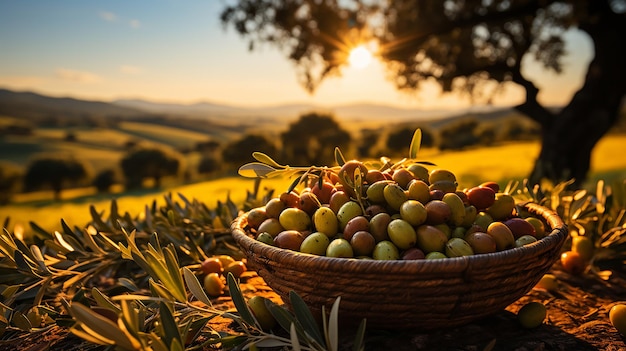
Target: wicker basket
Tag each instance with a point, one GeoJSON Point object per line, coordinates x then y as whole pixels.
{"type": "Point", "coordinates": [426, 294]}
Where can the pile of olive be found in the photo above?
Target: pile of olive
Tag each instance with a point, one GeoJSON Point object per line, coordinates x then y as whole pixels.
{"type": "Point", "coordinates": [400, 213]}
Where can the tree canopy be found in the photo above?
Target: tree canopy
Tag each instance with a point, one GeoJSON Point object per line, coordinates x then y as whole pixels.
{"type": "Point", "coordinates": [149, 163]}
{"type": "Point", "coordinates": [55, 173]}
{"type": "Point", "coordinates": [466, 46]}
{"type": "Point", "coordinates": [311, 140]}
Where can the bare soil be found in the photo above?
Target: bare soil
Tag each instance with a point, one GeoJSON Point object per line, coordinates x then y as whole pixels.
{"type": "Point", "coordinates": [577, 320]}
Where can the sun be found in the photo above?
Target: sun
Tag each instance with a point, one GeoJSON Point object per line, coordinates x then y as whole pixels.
{"type": "Point", "coordinates": [360, 57]}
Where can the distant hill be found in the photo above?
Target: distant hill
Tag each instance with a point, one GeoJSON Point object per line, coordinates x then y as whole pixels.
{"type": "Point", "coordinates": [219, 116]}
{"type": "Point", "coordinates": [32, 105]}
{"type": "Point", "coordinates": [361, 111]}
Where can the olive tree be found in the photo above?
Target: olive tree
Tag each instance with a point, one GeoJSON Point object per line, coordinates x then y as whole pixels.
{"type": "Point", "coordinates": [462, 44]}
{"type": "Point", "coordinates": [56, 173]}
{"type": "Point", "coordinates": [10, 176]}
{"type": "Point", "coordinates": [149, 163]}
{"type": "Point", "coordinates": [399, 139]}
{"type": "Point", "coordinates": [239, 151]}
{"type": "Point", "coordinates": [312, 140]}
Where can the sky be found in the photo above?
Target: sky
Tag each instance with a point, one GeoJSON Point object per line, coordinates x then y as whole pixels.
{"type": "Point", "coordinates": [178, 51]}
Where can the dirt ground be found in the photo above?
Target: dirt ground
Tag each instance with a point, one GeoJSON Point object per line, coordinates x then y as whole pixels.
{"type": "Point", "coordinates": [577, 320]}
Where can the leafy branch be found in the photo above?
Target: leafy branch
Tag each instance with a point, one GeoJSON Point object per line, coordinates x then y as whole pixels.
{"type": "Point", "coordinates": [599, 215]}
{"type": "Point", "coordinates": [137, 289]}
{"type": "Point", "coordinates": [267, 167]}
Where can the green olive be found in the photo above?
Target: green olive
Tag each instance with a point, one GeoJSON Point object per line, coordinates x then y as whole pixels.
{"type": "Point", "coordinates": [457, 208]}
{"type": "Point", "coordinates": [294, 219]}
{"type": "Point", "coordinates": [435, 255]}
{"type": "Point", "coordinates": [419, 190]}
{"type": "Point", "coordinates": [502, 235]}
{"type": "Point", "coordinates": [419, 171]}
{"type": "Point", "coordinates": [261, 312]}
{"type": "Point", "coordinates": [271, 226]}
{"type": "Point", "coordinates": [503, 207]}
{"type": "Point", "coordinates": [385, 250]}
{"type": "Point", "coordinates": [315, 243]}
{"type": "Point", "coordinates": [375, 192]}
{"type": "Point", "coordinates": [402, 234]}
{"type": "Point", "coordinates": [457, 247]}
{"type": "Point", "coordinates": [524, 240]}
{"type": "Point", "coordinates": [531, 315]}
{"type": "Point", "coordinates": [540, 228]}
{"type": "Point", "coordinates": [394, 195]}
{"type": "Point", "coordinates": [265, 238]}
{"type": "Point", "coordinates": [431, 239]}
{"type": "Point", "coordinates": [339, 248]}
{"type": "Point", "coordinates": [413, 212]}
{"type": "Point", "coordinates": [348, 211]}
{"type": "Point", "coordinates": [441, 175]}
{"type": "Point", "coordinates": [325, 221]}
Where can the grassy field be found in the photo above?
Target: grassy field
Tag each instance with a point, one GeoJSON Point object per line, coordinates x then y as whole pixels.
{"type": "Point", "coordinates": [102, 148]}
{"type": "Point", "coordinates": [501, 163]}
{"type": "Point", "coordinates": [173, 137]}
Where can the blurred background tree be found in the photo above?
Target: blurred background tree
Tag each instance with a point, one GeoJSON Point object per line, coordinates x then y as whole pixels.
{"type": "Point", "coordinates": [240, 151]}
{"type": "Point", "coordinates": [399, 140]}
{"type": "Point", "coordinates": [56, 173]}
{"type": "Point", "coordinates": [149, 163]}
{"type": "Point", "coordinates": [312, 139]}
{"type": "Point", "coordinates": [104, 180]}
{"type": "Point", "coordinates": [10, 178]}
{"type": "Point", "coordinates": [464, 45]}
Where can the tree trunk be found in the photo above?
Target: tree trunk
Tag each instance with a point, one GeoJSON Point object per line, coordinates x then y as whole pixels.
{"type": "Point", "coordinates": [56, 193]}
{"type": "Point", "coordinates": [569, 136]}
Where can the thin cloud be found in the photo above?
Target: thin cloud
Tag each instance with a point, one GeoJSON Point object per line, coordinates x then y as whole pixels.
{"type": "Point", "coordinates": [129, 69]}
{"type": "Point", "coordinates": [77, 76]}
{"type": "Point", "coordinates": [134, 23]}
{"type": "Point", "coordinates": [21, 82]}
{"type": "Point", "coordinates": [108, 16]}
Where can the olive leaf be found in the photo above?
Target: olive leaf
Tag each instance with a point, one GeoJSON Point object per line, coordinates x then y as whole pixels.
{"type": "Point", "coordinates": [38, 256]}
{"type": "Point", "coordinates": [293, 335]}
{"type": "Point", "coordinates": [103, 300]}
{"type": "Point", "coordinates": [239, 301]}
{"type": "Point", "coordinates": [174, 273]}
{"type": "Point", "coordinates": [360, 336]}
{"type": "Point", "coordinates": [339, 159]}
{"type": "Point", "coordinates": [305, 317]}
{"type": "Point", "coordinates": [20, 321]}
{"type": "Point", "coordinates": [170, 328]}
{"type": "Point", "coordinates": [100, 328]}
{"type": "Point", "coordinates": [331, 327]}
{"type": "Point", "coordinates": [263, 158]}
{"type": "Point", "coordinates": [131, 318]}
{"type": "Point", "coordinates": [294, 184]}
{"type": "Point", "coordinates": [194, 286]}
{"type": "Point", "coordinates": [282, 316]}
{"type": "Point", "coordinates": [416, 142]}
{"type": "Point", "coordinates": [256, 169]}
{"type": "Point", "coordinates": [157, 343]}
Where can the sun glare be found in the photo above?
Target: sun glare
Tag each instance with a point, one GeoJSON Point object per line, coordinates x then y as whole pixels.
{"type": "Point", "coordinates": [360, 57]}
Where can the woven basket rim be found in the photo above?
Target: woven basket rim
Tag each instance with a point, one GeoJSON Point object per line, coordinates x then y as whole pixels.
{"type": "Point", "coordinates": [446, 265]}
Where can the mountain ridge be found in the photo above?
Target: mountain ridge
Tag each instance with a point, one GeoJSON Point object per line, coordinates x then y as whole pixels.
{"type": "Point", "coordinates": [355, 110]}
{"type": "Point", "coordinates": [29, 104]}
